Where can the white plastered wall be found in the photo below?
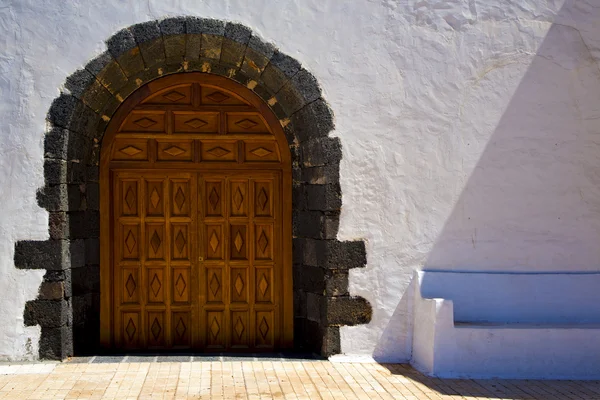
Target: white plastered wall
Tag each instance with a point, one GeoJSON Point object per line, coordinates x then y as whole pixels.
{"type": "Point", "coordinates": [468, 128]}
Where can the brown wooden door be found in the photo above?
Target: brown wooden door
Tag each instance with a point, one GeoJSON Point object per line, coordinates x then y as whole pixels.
{"type": "Point", "coordinates": [195, 221]}
{"type": "Point", "coordinates": [197, 259]}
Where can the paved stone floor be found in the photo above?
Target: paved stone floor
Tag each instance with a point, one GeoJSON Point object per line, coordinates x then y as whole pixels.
{"type": "Point", "coordinates": [218, 377]}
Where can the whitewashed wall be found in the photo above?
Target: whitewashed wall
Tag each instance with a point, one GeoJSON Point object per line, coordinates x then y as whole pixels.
{"type": "Point", "coordinates": [470, 129]}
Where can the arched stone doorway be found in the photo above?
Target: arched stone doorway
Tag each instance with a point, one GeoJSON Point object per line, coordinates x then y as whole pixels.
{"type": "Point", "coordinates": [195, 220]}
{"type": "Point", "coordinates": [68, 306]}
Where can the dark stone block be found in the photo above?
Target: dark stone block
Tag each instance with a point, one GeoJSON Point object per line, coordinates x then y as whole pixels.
{"type": "Point", "coordinates": [77, 250]}
{"type": "Point", "coordinates": [237, 32]}
{"type": "Point", "coordinates": [298, 249]}
{"type": "Point", "coordinates": [315, 307]}
{"type": "Point", "coordinates": [153, 52]}
{"type": "Point", "coordinates": [336, 283]}
{"type": "Point", "coordinates": [232, 52]}
{"type": "Point", "coordinates": [324, 197]}
{"type": "Point", "coordinates": [96, 65]}
{"type": "Point", "coordinates": [310, 279]}
{"type": "Point", "coordinates": [298, 198]}
{"type": "Point", "coordinates": [51, 291]}
{"type": "Point", "coordinates": [47, 313]}
{"type": "Point", "coordinates": [315, 120]}
{"type": "Point", "coordinates": [260, 90]}
{"type": "Point", "coordinates": [131, 63]}
{"type": "Point", "coordinates": [56, 143]}
{"type": "Point", "coordinates": [108, 72]}
{"type": "Point", "coordinates": [173, 26]}
{"type": "Point", "coordinates": [92, 251]}
{"type": "Point", "coordinates": [286, 64]}
{"type": "Point", "coordinates": [58, 225]}
{"type": "Point", "coordinates": [205, 25]}
{"type": "Point", "coordinates": [56, 343]}
{"type": "Point", "coordinates": [76, 172]}
{"type": "Point", "coordinates": [263, 48]}
{"type": "Point", "coordinates": [240, 77]}
{"type": "Point", "coordinates": [145, 32]}
{"type": "Point", "coordinates": [254, 64]}
{"type": "Point", "coordinates": [323, 175]}
{"type": "Point", "coordinates": [332, 254]}
{"type": "Point", "coordinates": [211, 46]}
{"type": "Point", "coordinates": [313, 335]}
{"type": "Point", "coordinates": [84, 120]}
{"type": "Point", "coordinates": [84, 224]}
{"type": "Point", "coordinates": [78, 82]}
{"type": "Point", "coordinates": [290, 98]}
{"type": "Point", "coordinates": [173, 31]}
{"type": "Point", "coordinates": [53, 198]}
{"type": "Point", "coordinates": [299, 303]}
{"type": "Point", "coordinates": [307, 85]}
{"type": "Point", "coordinates": [62, 110]}
{"type": "Point", "coordinates": [332, 224]}
{"type": "Point", "coordinates": [55, 276]}
{"type": "Point", "coordinates": [319, 152]}
{"type": "Point", "coordinates": [308, 224]}
{"type": "Point", "coordinates": [42, 254]}
{"type": "Point", "coordinates": [92, 196]}
{"type": "Point", "coordinates": [331, 341]}
{"type": "Point", "coordinates": [92, 173]}
{"type": "Point", "coordinates": [86, 280]}
{"type": "Point", "coordinates": [121, 43]}
{"type": "Point", "coordinates": [348, 311]}
{"type": "Point", "coordinates": [193, 44]}
{"type": "Point", "coordinates": [96, 97]}
{"type": "Point", "coordinates": [55, 171]}
{"type": "Point", "coordinates": [76, 198]}
{"type": "Point", "coordinates": [174, 48]}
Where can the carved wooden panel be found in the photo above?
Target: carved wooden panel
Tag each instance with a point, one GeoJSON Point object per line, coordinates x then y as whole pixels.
{"type": "Point", "coordinates": [215, 330]}
{"type": "Point", "coordinates": [261, 151]}
{"type": "Point", "coordinates": [215, 243]}
{"type": "Point", "coordinates": [238, 242]}
{"type": "Point", "coordinates": [263, 242]}
{"type": "Point", "coordinates": [181, 329]}
{"type": "Point", "coordinates": [180, 197]}
{"type": "Point", "coordinates": [155, 241]}
{"type": "Point", "coordinates": [131, 330]}
{"type": "Point", "coordinates": [219, 150]}
{"type": "Point", "coordinates": [155, 329]}
{"type": "Point", "coordinates": [155, 288]}
{"type": "Point", "coordinates": [265, 329]}
{"type": "Point", "coordinates": [175, 151]}
{"type": "Point", "coordinates": [214, 284]}
{"type": "Point", "coordinates": [263, 198]}
{"type": "Point", "coordinates": [130, 240]}
{"type": "Point", "coordinates": [238, 198]}
{"type": "Point", "coordinates": [180, 95]}
{"type": "Point", "coordinates": [246, 123]}
{"type": "Point", "coordinates": [130, 150]}
{"type": "Point", "coordinates": [213, 198]}
{"type": "Point", "coordinates": [180, 242]}
{"type": "Point", "coordinates": [195, 122]}
{"type": "Point", "coordinates": [144, 121]}
{"type": "Point", "coordinates": [131, 285]}
{"type": "Point", "coordinates": [155, 197]}
{"type": "Point", "coordinates": [216, 97]}
{"type": "Point", "coordinates": [181, 285]}
{"type": "Point", "coordinates": [264, 285]}
{"type": "Point", "coordinates": [238, 285]}
{"type": "Point", "coordinates": [240, 329]}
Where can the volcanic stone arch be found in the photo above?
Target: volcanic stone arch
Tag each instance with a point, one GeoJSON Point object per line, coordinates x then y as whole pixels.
{"type": "Point", "coordinates": [68, 304]}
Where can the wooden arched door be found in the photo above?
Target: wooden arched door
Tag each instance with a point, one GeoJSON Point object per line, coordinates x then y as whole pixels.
{"type": "Point", "coordinates": [195, 220]}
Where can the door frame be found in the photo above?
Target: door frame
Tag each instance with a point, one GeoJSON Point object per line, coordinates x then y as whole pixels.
{"type": "Point", "coordinates": [107, 295]}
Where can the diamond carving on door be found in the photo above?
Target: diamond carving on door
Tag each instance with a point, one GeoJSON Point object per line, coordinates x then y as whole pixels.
{"type": "Point", "coordinates": [196, 241]}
